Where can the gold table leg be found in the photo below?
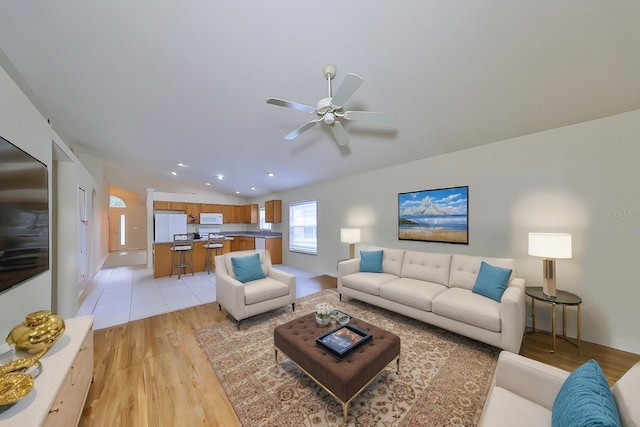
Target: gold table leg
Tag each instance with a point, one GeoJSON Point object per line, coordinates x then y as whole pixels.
{"type": "Point", "coordinates": [553, 326]}
{"type": "Point", "coordinates": [533, 315]}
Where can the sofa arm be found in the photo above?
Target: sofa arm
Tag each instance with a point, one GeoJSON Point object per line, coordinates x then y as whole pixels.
{"type": "Point", "coordinates": [345, 267]}
{"type": "Point", "coordinates": [230, 293]}
{"type": "Point", "coordinates": [533, 380]}
{"type": "Point", "coordinates": [513, 315]}
{"type": "Point", "coordinates": [284, 277]}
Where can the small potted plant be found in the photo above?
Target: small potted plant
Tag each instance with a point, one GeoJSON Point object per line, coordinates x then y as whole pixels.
{"type": "Point", "coordinates": [323, 314]}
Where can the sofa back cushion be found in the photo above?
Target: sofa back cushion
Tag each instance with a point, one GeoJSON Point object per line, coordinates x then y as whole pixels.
{"type": "Point", "coordinates": [465, 269]}
{"type": "Point", "coordinates": [427, 266]}
{"type": "Point", "coordinates": [627, 394]}
{"type": "Point", "coordinates": [391, 259]}
{"type": "Point", "coordinates": [265, 260]}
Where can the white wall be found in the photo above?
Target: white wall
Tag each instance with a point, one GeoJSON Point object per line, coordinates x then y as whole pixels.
{"type": "Point", "coordinates": [580, 179]}
{"type": "Point", "coordinates": [22, 125]}
{"type": "Point", "coordinates": [58, 288]}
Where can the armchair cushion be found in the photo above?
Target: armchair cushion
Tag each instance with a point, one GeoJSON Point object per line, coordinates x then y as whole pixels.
{"type": "Point", "coordinates": [247, 268]}
{"type": "Point", "coordinates": [491, 281]}
{"type": "Point", "coordinates": [371, 261]}
{"type": "Point", "coordinates": [585, 399]}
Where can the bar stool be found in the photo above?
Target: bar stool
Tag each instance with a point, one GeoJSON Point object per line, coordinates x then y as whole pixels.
{"type": "Point", "coordinates": [214, 245]}
{"type": "Point", "coordinates": [182, 243]}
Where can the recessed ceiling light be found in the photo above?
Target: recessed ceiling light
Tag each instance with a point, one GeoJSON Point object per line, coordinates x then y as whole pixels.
{"type": "Point", "coordinates": [271, 174]}
{"type": "Point", "coordinates": [181, 164]}
{"type": "Point", "coordinates": [174, 173]}
{"type": "Point", "coordinates": [207, 183]}
{"type": "Point", "coordinates": [237, 192]}
{"type": "Point", "coordinates": [219, 176]}
{"type": "Point", "coordinates": [253, 188]}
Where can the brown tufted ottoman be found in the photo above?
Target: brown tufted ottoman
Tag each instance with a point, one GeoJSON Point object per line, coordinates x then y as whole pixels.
{"type": "Point", "coordinates": [343, 379]}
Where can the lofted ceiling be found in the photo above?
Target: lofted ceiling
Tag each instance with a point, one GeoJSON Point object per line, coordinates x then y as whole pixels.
{"type": "Point", "coordinates": [145, 84]}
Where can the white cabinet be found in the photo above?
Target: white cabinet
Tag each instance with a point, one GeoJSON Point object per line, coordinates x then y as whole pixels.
{"type": "Point", "coordinates": [61, 389]}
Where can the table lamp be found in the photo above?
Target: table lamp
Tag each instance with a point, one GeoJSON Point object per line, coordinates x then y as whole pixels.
{"type": "Point", "coordinates": [350, 236]}
{"type": "Point", "coordinates": [550, 246]}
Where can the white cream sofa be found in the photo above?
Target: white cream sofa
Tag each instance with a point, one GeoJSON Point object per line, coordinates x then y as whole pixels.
{"type": "Point", "coordinates": [523, 392]}
{"type": "Point", "coordinates": [243, 300]}
{"type": "Point", "coordinates": [436, 289]}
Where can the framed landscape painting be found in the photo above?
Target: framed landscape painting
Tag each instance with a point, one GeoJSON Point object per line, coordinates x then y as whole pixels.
{"type": "Point", "coordinates": [440, 215]}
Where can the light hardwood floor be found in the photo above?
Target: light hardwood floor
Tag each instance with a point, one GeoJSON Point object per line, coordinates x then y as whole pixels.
{"type": "Point", "coordinates": [152, 372]}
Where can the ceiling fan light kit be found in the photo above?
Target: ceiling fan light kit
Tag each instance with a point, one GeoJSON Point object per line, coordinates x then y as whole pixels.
{"type": "Point", "coordinates": [330, 109]}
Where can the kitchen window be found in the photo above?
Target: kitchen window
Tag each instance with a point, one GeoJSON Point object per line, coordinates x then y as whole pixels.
{"type": "Point", "coordinates": [303, 227]}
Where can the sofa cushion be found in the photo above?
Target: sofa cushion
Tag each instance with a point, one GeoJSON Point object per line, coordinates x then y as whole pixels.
{"type": "Point", "coordinates": [247, 268]}
{"type": "Point", "coordinates": [391, 260]}
{"type": "Point", "coordinates": [505, 408]}
{"type": "Point", "coordinates": [465, 306]}
{"type": "Point", "coordinates": [491, 281]}
{"type": "Point", "coordinates": [414, 293]}
{"type": "Point", "coordinates": [427, 266]}
{"type": "Point", "coordinates": [371, 261]}
{"type": "Point", "coordinates": [263, 290]}
{"type": "Point", "coordinates": [367, 282]}
{"type": "Point", "coordinates": [465, 269]}
{"type": "Point", "coordinates": [626, 391]}
{"type": "Point", "coordinates": [585, 399]}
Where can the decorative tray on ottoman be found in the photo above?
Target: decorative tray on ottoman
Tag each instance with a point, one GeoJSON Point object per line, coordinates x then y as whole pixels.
{"type": "Point", "coordinates": [343, 340]}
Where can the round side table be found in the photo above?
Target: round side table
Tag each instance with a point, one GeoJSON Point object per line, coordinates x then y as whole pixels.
{"type": "Point", "coordinates": [562, 298]}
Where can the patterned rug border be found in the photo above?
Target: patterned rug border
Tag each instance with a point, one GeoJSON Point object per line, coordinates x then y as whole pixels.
{"type": "Point", "coordinates": [444, 378]}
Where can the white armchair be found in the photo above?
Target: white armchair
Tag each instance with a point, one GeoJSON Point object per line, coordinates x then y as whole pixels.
{"type": "Point", "coordinates": [243, 300]}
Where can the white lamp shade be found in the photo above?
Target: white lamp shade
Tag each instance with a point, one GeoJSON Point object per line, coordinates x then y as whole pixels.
{"type": "Point", "coordinates": [550, 245]}
{"type": "Point", "coordinates": [350, 235]}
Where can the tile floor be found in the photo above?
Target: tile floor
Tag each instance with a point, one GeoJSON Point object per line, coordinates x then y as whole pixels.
{"type": "Point", "coordinates": [123, 293]}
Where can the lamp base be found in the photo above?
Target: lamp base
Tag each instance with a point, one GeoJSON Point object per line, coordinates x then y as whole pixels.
{"type": "Point", "coordinates": [549, 283]}
{"type": "Point", "coordinates": [352, 250]}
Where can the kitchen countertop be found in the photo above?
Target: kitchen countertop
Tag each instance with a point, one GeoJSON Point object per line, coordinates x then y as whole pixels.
{"type": "Point", "coordinates": [229, 235]}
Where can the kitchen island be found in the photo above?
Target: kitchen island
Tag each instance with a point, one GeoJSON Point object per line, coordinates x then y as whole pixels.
{"type": "Point", "coordinates": [234, 241]}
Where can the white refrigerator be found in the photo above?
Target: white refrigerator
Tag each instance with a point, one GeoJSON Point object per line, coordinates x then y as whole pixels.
{"type": "Point", "coordinates": [166, 225]}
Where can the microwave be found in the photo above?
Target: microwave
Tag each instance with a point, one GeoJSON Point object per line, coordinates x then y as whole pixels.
{"type": "Point", "coordinates": [211, 218]}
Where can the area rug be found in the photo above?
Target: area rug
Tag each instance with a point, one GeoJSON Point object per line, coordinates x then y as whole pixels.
{"type": "Point", "coordinates": [444, 378]}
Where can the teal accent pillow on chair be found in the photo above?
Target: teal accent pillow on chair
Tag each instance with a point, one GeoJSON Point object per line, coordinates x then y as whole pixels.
{"type": "Point", "coordinates": [491, 281]}
{"type": "Point", "coordinates": [585, 399]}
{"type": "Point", "coordinates": [371, 261]}
{"type": "Point", "coordinates": [247, 268]}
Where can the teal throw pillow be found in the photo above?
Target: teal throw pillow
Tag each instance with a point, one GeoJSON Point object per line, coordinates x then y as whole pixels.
{"type": "Point", "coordinates": [491, 281]}
{"type": "Point", "coordinates": [585, 399]}
{"type": "Point", "coordinates": [247, 268]}
{"type": "Point", "coordinates": [371, 261]}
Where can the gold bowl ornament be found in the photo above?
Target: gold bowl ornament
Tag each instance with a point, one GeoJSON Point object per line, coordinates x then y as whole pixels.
{"type": "Point", "coordinates": [38, 332]}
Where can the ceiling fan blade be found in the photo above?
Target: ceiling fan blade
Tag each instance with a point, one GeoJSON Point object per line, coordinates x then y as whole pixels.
{"type": "Point", "coordinates": [348, 87]}
{"type": "Point", "coordinates": [292, 105]}
{"type": "Point", "coordinates": [301, 129]}
{"type": "Point", "coordinates": [370, 116]}
{"type": "Point", "coordinates": [340, 134]}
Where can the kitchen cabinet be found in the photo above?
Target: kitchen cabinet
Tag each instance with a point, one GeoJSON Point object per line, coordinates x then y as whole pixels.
{"type": "Point", "coordinates": [232, 214]}
{"type": "Point", "coordinates": [210, 208]}
{"type": "Point", "coordinates": [250, 214]}
{"type": "Point", "coordinates": [162, 257]}
{"type": "Point", "coordinates": [243, 243]}
{"type": "Point", "coordinates": [273, 211]}
{"type": "Point", "coordinates": [274, 246]}
{"type": "Point", "coordinates": [160, 205]}
{"type": "Point", "coordinates": [193, 213]}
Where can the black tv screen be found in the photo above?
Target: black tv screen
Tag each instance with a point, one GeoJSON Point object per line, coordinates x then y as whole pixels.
{"type": "Point", "coordinates": [24, 216]}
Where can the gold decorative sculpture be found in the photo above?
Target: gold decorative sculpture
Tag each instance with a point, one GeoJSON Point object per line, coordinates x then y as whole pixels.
{"type": "Point", "coordinates": [14, 387]}
{"type": "Point", "coordinates": [38, 332]}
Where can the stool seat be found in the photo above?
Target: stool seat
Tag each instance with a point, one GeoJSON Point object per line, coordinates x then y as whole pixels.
{"type": "Point", "coordinates": [182, 244]}
{"type": "Point", "coordinates": [215, 242]}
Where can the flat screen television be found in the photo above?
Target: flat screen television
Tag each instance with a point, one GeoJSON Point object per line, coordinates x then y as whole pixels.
{"type": "Point", "coordinates": [24, 216]}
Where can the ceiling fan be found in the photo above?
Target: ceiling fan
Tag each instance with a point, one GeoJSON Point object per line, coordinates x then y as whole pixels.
{"type": "Point", "coordinates": [330, 109]}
